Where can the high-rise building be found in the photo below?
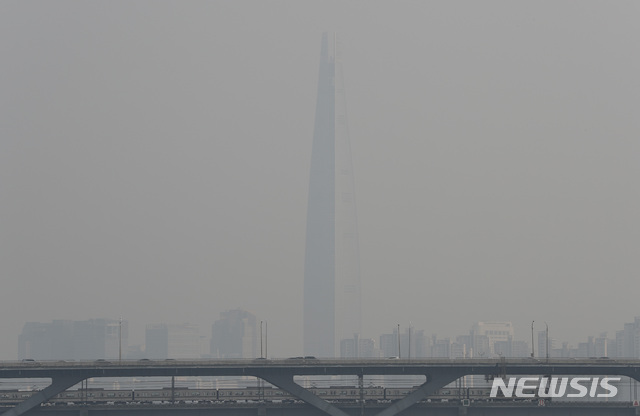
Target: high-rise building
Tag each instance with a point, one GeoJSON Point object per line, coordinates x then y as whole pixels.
{"type": "Point", "coordinates": [156, 341]}
{"type": "Point", "coordinates": [46, 341]}
{"type": "Point", "coordinates": [184, 341]}
{"type": "Point", "coordinates": [628, 340]}
{"type": "Point", "coordinates": [73, 340]}
{"type": "Point", "coordinates": [99, 338]}
{"type": "Point", "coordinates": [332, 265]}
{"type": "Point", "coordinates": [546, 347]}
{"type": "Point", "coordinates": [235, 335]}
{"type": "Point", "coordinates": [357, 347]}
{"type": "Point", "coordinates": [410, 344]}
{"type": "Point", "coordinates": [485, 334]}
{"type": "Point", "coordinates": [389, 344]}
{"type": "Point", "coordinates": [512, 348]}
{"type": "Point", "coordinates": [601, 346]}
{"type": "Point", "coordinates": [442, 348]}
{"type": "Point", "coordinates": [172, 341]}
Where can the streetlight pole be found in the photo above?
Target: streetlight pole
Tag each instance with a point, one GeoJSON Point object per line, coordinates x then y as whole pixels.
{"type": "Point", "coordinates": [547, 336]}
{"type": "Point", "coordinates": [120, 340]}
{"type": "Point", "coordinates": [399, 341]}
{"type": "Point", "coordinates": [532, 347]}
{"type": "Point", "coordinates": [261, 356]}
{"type": "Point", "coordinates": [409, 340]}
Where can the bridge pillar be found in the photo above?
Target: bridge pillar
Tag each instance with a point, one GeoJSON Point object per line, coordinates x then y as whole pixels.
{"type": "Point", "coordinates": [285, 382]}
{"type": "Point", "coordinates": [434, 383]}
{"type": "Point", "coordinates": [58, 385]}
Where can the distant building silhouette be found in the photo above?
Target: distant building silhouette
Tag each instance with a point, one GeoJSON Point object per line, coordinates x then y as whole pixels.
{"type": "Point", "coordinates": [413, 344]}
{"type": "Point", "coordinates": [628, 340]}
{"type": "Point", "coordinates": [184, 341]}
{"type": "Point", "coordinates": [179, 341]}
{"type": "Point", "coordinates": [156, 341]}
{"type": "Point", "coordinates": [357, 347]}
{"type": "Point", "coordinates": [484, 335]}
{"type": "Point", "coordinates": [512, 348]}
{"type": "Point", "coordinates": [389, 344]}
{"type": "Point", "coordinates": [73, 340]}
{"type": "Point", "coordinates": [235, 335]}
{"type": "Point", "coordinates": [332, 269]}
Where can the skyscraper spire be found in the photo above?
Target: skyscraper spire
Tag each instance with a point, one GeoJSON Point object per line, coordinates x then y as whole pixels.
{"type": "Point", "coordinates": [332, 269]}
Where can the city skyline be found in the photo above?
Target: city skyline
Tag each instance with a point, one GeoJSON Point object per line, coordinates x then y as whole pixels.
{"type": "Point", "coordinates": [235, 335]}
{"type": "Point", "coordinates": [155, 163]}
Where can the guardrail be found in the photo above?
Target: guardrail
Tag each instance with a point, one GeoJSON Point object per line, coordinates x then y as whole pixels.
{"type": "Point", "coordinates": [322, 361]}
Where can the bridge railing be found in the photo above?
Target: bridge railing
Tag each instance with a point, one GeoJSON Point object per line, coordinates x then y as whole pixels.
{"type": "Point", "coordinates": [319, 361]}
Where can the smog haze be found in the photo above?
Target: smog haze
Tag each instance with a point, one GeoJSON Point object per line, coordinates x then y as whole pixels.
{"type": "Point", "coordinates": [155, 156]}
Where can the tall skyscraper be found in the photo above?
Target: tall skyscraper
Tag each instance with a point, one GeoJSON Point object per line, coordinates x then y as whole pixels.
{"type": "Point", "coordinates": [332, 265]}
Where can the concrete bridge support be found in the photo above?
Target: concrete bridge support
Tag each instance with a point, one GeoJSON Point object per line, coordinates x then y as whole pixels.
{"type": "Point", "coordinates": [433, 383]}
{"type": "Point", "coordinates": [285, 382]}
{"type": "Point", "coordinates": [58, 385]}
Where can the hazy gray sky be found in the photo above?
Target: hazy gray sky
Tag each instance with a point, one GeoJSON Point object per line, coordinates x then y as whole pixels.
{"type": "Point", "coordinates": [154, 161]}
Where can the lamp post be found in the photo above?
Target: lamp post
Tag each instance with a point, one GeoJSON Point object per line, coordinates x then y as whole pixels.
{"type": "Point", "coordinates": [409, 340]}
{"type": "Point", "coordinates": [120, 340]}
{"type": "Point", "coordinates": [547, 337]}
{"type": "Point", "coordinates": [532, 347]}
{"type": "Point", "coordinates": [399, 341]}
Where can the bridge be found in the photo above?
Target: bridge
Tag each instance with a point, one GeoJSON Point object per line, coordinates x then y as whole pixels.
{"type": "Point", "coordinates": [280, 373]}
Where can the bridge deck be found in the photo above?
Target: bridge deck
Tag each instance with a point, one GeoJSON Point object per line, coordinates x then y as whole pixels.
{"type": "Point", "coordinates": [126, 368]}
